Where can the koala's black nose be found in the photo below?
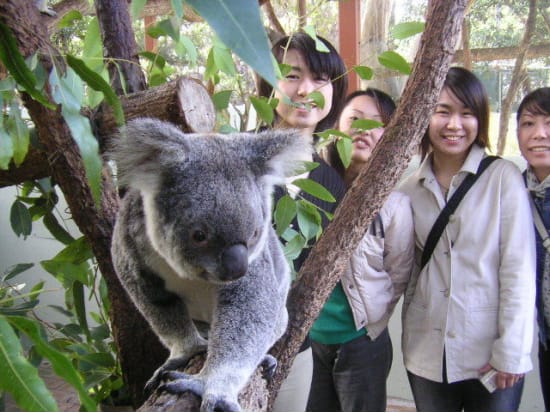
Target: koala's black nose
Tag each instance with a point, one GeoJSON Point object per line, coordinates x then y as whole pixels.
{"type": "Point", "coordinates": [235, 262]}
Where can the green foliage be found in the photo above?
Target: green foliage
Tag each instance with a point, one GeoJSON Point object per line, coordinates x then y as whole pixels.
{"type": "Point", "coordinates": [19, 377]}
{"type": "Point", "coordinates": [238, 23]}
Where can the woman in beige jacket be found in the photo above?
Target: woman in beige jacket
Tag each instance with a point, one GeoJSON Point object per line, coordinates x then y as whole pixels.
{"type": "Point", "coordinates": [470, 309]}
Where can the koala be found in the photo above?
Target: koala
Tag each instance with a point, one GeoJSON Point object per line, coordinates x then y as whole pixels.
{"type": "Point", "coordinates": [193, 243]}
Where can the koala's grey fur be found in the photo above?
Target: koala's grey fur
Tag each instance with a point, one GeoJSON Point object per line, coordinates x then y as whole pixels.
{"type": "Point", "coordinates": [194, 241]}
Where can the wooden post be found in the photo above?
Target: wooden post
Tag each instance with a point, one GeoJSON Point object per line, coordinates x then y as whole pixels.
{"type": "Point", "coordinates": [350, 34]}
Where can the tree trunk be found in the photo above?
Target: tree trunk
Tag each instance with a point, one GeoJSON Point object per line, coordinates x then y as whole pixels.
{"type": "Point", "coordinates": [374, 40]}
{"type": "Point", "coordinates": [517, 78]}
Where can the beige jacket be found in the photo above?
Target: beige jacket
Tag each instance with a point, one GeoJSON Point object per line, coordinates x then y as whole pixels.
{"type": "Point", "coordinates": [380, 267]}
{"type": "Point", "coordinates": [475, 298]}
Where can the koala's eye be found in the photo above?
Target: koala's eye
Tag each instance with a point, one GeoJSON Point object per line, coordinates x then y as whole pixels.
{"type": "Point", "coordinates": [199, 237]}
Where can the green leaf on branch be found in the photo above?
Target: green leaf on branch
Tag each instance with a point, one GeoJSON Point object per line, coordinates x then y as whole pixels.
{"type": "Point", "coordinates": [20, 219]}
{"type": "Point", "coordinates": [394, 61]}
{"type": "Point", "coordinates": [319, 45]}
{"type": "Point", "coordinates": [314, 188]}
{"type": "Point", "coordinates": [69, 92]}
{"type": "Point", "coordinates": [285, 211]}
{"type": "Point", "coordinates": [239, 24]}
{"type": "Point", "coordinates": [407, 29]}
{"type": "Point", "coordinates": [366, 124]}
{"type": "Point", "coordinates": [344, 147]}
{"type": "Point", "coordinates": [60, 362]}
{"type": "Point", "coordinates": [6, 149]}
{"type": "Point", "coordinates": [97, 83]}
{"type": "Point", "coordinates": [263, 108]}
{"type": "Point", "coordinates": [221, 99]}
{"type": "Point", "coordinates": [16, 269]}
{"type": "Point", "coordinates": [19, 377]}
{"type": "Point", "coordinates": [309, 219]}
{"type": "Point", "coordinates": [317, 98]}
{"type": "Point", "coordinates": [14, 62]}
{"type": "Point", "coordinates": [364, 72]}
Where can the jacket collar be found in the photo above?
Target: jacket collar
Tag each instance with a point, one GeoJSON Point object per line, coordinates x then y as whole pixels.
{"type": "Point", "coordinates": [476, 154]}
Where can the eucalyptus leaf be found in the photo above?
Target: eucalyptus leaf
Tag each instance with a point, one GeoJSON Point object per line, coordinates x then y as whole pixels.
{"type": "Point", "coordinates": [364, 72]}
{"type": "Point", "coordinates": [80, 307]}
{"type": "Point", "coordinates": [68, 20]}
{"type": "Point", "coordinates": [16, 270]}
{"type": "Point", "coordinates": [309, 219]}
{"type": "Point", "coordinates": [177, 6]}
{"type": "Point", "coordinates": [6, 149]}
{"type": "Point", "coordinates": [314, 188]}
{"type": "Point", "coordinates": [366, 124]}
{"type": "Point", "coordinates": [19, 377]}
{"type": "Point", "coordinates": [16, 65]}
{"type": "Point", "coordinates": [317, 98]}
{"type": "Point", "coordinates": [20, 219]}
{"type": "Point", "coordinates": [284, 213]}
{"type": "Point", "coordinates": [407, 29]}
{"type": "Point", "coordinates": [319, 45]}
{"type": "Point", "coordinates": [221, 99]}
{"type": "Point", "coordinates": [293, 248]}
{"type": "Point", "coordinates": [60, 362]}
{"type": "Point", "coordinates": [224, 60]}
{"type": "Point", "coordinates": [19, 133]}
{"type": "Point", "coordinates": [263, 109]}
{"type": "Point", "coordinates": [68, 91]}
{"type": "Point", "coordinates": [59, 233]}
{"type": "Point", "coordinates": [97, 83]}
{"type": "Point", "coordinates": [344, 148]}
{"type": "Point", "coordinates": [239, 24]}
{"type": "Point", "coordinates": [394, 61]}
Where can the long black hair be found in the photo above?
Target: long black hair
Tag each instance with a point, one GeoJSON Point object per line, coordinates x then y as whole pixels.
{"type": "Point", "coordinates": [470, 91]}
{"type": "Point", "coordinates": [329, 64]}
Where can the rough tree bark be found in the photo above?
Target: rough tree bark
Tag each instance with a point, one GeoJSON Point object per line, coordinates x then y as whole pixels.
{"type": "Point", "coordinates": [374, 41]}
{"type": "Point", "coordinates": [517, 78]}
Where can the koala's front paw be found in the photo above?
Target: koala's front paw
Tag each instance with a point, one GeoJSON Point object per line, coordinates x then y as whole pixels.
{"type": "Point", "coordinates": [269, 365]}
{"type": "Point", "coordinates": [169, 365]}
{"type": "Point", "coordinates": [211, 402]}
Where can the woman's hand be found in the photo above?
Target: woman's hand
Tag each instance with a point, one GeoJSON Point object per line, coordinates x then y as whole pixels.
{"type": "Point", "coordinates": [503, 380]}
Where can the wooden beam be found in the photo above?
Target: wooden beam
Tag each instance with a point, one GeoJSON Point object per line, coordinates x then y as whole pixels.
{"type": "Point", "coordinates": [349, 27]}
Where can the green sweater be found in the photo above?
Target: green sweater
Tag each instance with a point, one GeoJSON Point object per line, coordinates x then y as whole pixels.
{"type": "Point", "coordinates": [335, 323]}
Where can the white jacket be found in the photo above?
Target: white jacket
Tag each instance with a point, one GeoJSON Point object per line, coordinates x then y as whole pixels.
{"type": "Point", "coordinates": [380, 267]}
{"type": "Point", "coordinates": [475, 298]}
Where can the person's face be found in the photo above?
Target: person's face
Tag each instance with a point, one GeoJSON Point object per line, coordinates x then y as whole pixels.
{"type": "Point", "coordinates": [364, 141]}
{"type": "Point", "coordinates": [534, 142]}
{"type": "Point", "coordinates": [297, 85]}
{"type": "Point", "coordinates": [453, 127]}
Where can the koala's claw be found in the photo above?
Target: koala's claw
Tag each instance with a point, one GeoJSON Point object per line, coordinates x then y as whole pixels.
{"type": "Point", "coordinates": [181, 382]}
{"type": "Point", "coordinates": [168, 366]}
{"type": "Point", "coordinates": [269, 365]}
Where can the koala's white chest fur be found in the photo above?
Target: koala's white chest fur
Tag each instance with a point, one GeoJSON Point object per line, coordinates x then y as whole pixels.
{"type": "Point", "coordinates": [199, 296]}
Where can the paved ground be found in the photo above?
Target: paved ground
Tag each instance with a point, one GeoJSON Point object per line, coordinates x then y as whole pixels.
{"type": "Point", "coordinates": [67, 398]}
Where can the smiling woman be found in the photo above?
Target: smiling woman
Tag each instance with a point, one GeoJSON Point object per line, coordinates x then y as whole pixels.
{"type": "Point", "coordinates": [470, 308]}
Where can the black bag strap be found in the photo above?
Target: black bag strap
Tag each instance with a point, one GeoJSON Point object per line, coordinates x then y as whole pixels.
{"type": "Point", "coordinates": [450, 208]}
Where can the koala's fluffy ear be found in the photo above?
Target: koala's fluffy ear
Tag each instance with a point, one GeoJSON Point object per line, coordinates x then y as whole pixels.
{"type": "Point", "coordinates": [142, 148]}
{"type": "Point", "coordinates": [277, 153]}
